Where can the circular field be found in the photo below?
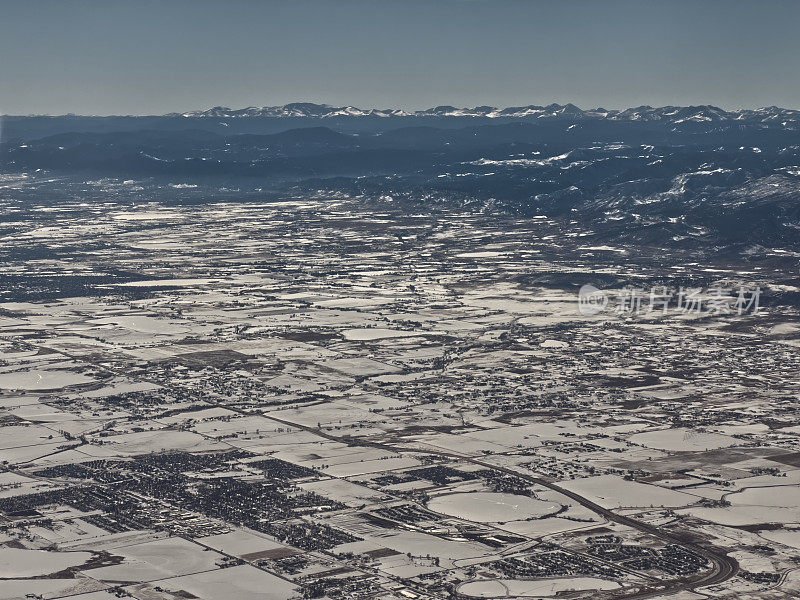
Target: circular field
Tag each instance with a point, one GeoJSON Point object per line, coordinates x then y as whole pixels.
{"type": "Point", "coordinates": [683, 440]}
{"type": "Point", "coordinates": [491, 507]}
{"type": "Point", "coordinates": [542, 588]}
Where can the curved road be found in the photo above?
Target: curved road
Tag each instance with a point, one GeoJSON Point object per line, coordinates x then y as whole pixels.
{"type": "Point", "coordinates": [724, 567]}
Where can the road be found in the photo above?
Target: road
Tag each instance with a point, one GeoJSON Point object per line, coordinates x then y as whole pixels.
{"type": "Point", "coordinates": [723, 567]}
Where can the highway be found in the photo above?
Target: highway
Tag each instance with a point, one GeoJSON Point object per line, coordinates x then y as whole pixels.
{"type": "Point", "coordinates": [723, 567]}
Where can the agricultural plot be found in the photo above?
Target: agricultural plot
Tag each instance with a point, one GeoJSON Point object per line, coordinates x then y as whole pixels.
{"type": "Point", "coordinates": [300, 398]}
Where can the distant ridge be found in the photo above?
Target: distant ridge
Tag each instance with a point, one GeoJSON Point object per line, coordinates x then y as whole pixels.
{"type": "Point", "coordinates": [678, 114]}
{"type": "Point", "coordinates": [695, 177]}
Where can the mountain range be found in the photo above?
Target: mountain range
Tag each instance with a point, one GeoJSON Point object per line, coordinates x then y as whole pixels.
{"type": "Point", "coordinates": [675, 114]}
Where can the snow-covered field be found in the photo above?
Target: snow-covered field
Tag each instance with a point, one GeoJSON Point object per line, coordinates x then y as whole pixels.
{"type": "Point", "coordinates": [38, 379]}
{"type": "Point", "coordinates": [542, 588]}
{"type": "Point", "coordinates": [15, 562]}
{"type": "Point", "coordinates": [683, 440]}
{"type": "Point", "coordinates": [489, 507]}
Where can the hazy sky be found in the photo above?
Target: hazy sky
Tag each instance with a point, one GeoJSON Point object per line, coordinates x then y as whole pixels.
{"type": "Point", "coordinates": [152, 57]}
